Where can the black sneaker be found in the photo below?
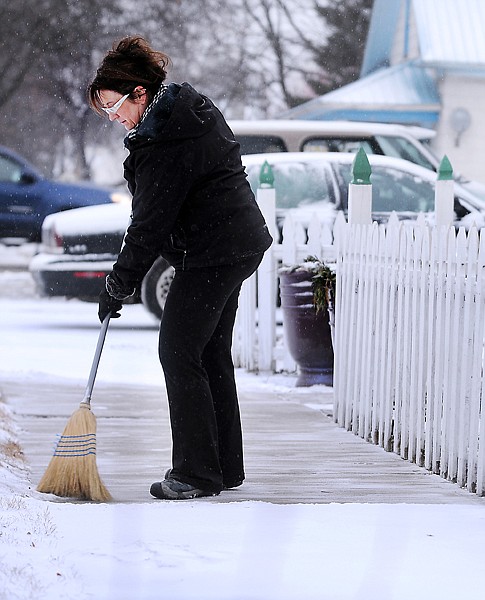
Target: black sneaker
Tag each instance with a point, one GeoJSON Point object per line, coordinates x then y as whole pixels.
{"type": "Point", "coordinates": [225, 486]}
{"type": "Point", "coordinates": [171, 489]}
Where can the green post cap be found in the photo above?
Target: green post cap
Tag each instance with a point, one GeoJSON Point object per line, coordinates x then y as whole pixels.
{"type": "Point", "coordinates": [361, 170]}
{"type": "Point", "coordinates": [266, 177]}
{"type": "Point", "coordinates": [445, 170]}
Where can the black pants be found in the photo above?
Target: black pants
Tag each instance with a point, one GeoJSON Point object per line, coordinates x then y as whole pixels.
{"type": "Point", "coordinates": [195, 352]}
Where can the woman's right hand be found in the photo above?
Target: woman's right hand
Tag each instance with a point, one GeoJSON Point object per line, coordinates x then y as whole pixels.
{"type": "Point", "coordinates": [108, 305]}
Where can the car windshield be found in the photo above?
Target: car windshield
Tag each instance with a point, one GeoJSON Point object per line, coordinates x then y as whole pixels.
{"type": "Point", "coordinates": [401, 148]}
{"type": "Point", "coordinates": [297, 184]}
{"type": "Point", "coordinates": [392, 189]}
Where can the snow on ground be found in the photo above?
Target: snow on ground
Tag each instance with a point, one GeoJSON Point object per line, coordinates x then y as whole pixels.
{"type": "Point", "coordinates": [15, 256]}
{"type": "Point", "coordinates": [236, 551]}
{"type": "Point", "coordinates": [197, 549]}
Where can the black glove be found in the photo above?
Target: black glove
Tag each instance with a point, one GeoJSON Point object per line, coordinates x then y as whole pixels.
{"type": "Point", "coordinates": [107, 305]}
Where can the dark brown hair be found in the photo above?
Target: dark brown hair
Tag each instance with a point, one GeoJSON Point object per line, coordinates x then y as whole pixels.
{"type": "Point", "coordinates": [130, 63]}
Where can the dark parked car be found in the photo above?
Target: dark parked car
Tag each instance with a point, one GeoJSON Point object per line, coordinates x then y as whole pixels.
{"type": "Point", "coordinates": [26, 197]}
{"type": "Point", "coordinates": [80, 246]}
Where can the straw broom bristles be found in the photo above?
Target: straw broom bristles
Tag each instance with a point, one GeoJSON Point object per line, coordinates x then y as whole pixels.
{"type": "Point", "coordinates": [72, 471]}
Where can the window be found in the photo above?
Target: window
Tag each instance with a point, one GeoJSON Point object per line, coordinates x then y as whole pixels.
{"type": "Point", "coordinates": [402, 148]}
{"type": "Point", "coordinates": [296, 184]}
{"type": "Point", "coordinates": [393, 190]}
{"type": "Point", "coordinates": [10, 171]}
{"type": "Point", "coordinates": [259, 144]}
{"type": "Point", "coordinates": [340, 144]}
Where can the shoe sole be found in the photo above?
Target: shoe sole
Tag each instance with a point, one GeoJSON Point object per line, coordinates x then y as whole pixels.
{"type": "Point", "coordinates": [231, 487]}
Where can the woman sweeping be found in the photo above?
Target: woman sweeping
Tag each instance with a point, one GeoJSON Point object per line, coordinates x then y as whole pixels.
{"type": "Point", "coordinates": [192, 205]}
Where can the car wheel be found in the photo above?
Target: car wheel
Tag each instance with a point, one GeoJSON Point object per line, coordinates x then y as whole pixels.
{"type": "Point", "coordinates": [155, 286]}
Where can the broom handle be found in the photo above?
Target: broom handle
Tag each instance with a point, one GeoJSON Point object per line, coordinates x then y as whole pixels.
{"type": "Point", "coordinates": [94, 367]}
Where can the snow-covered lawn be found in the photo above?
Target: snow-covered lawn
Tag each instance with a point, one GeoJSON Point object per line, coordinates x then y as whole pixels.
{"type": "Point", "coordinates": [236, 551]}
{"type": "Point", "coordinates": [244, 551]}
{"type": "Point", "coordinates": [201, 549]}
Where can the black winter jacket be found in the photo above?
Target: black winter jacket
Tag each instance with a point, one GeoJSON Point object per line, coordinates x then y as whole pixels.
{"type": "Point", "coordinates": [192, 203]}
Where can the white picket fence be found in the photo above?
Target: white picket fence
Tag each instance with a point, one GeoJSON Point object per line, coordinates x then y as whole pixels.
{"type": "Point", "coordinates": [258, 342]}
{"type": "Point", "coordinates": [409, 329]}
{"type": "Point", "coordinates": [409, 344]}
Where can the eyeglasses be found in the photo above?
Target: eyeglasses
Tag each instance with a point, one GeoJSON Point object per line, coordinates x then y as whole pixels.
{"type": "Point", "coordinates": [112, 110]}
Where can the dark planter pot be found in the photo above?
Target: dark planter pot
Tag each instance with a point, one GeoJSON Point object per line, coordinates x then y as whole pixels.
{"type": "Point", "coordinates": [307, 332]}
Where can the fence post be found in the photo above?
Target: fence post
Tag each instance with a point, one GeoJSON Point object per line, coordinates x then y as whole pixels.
{"type": "Point", "coordinates": [444, 197]}
{"type": "Point", "coordinates": [360, 191]}
{"type": "Point", "coordinates": [267, 273]}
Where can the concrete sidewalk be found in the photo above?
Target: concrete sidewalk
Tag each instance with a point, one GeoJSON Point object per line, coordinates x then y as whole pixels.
{"type": "Point", "coordinates": [294, 452]}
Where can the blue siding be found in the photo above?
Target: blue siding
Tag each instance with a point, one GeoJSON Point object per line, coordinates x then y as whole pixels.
{"type": "Point", "coordinates": [385, 14]}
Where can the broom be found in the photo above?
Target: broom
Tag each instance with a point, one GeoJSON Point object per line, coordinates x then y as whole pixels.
{"type": "Point", "coordinates": [72, 471]}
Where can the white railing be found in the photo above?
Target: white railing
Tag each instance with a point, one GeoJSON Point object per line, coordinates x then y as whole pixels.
{"type": "Point", "coordinates": [409, 344]}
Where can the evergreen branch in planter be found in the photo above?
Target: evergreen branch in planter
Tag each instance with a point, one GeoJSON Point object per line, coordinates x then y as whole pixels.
{"type": "Point", "coordinates": [323, 283]}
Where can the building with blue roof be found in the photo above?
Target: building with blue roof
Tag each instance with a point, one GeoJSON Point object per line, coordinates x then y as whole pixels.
{"type": "Point", "coordinates": [424, 64]}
